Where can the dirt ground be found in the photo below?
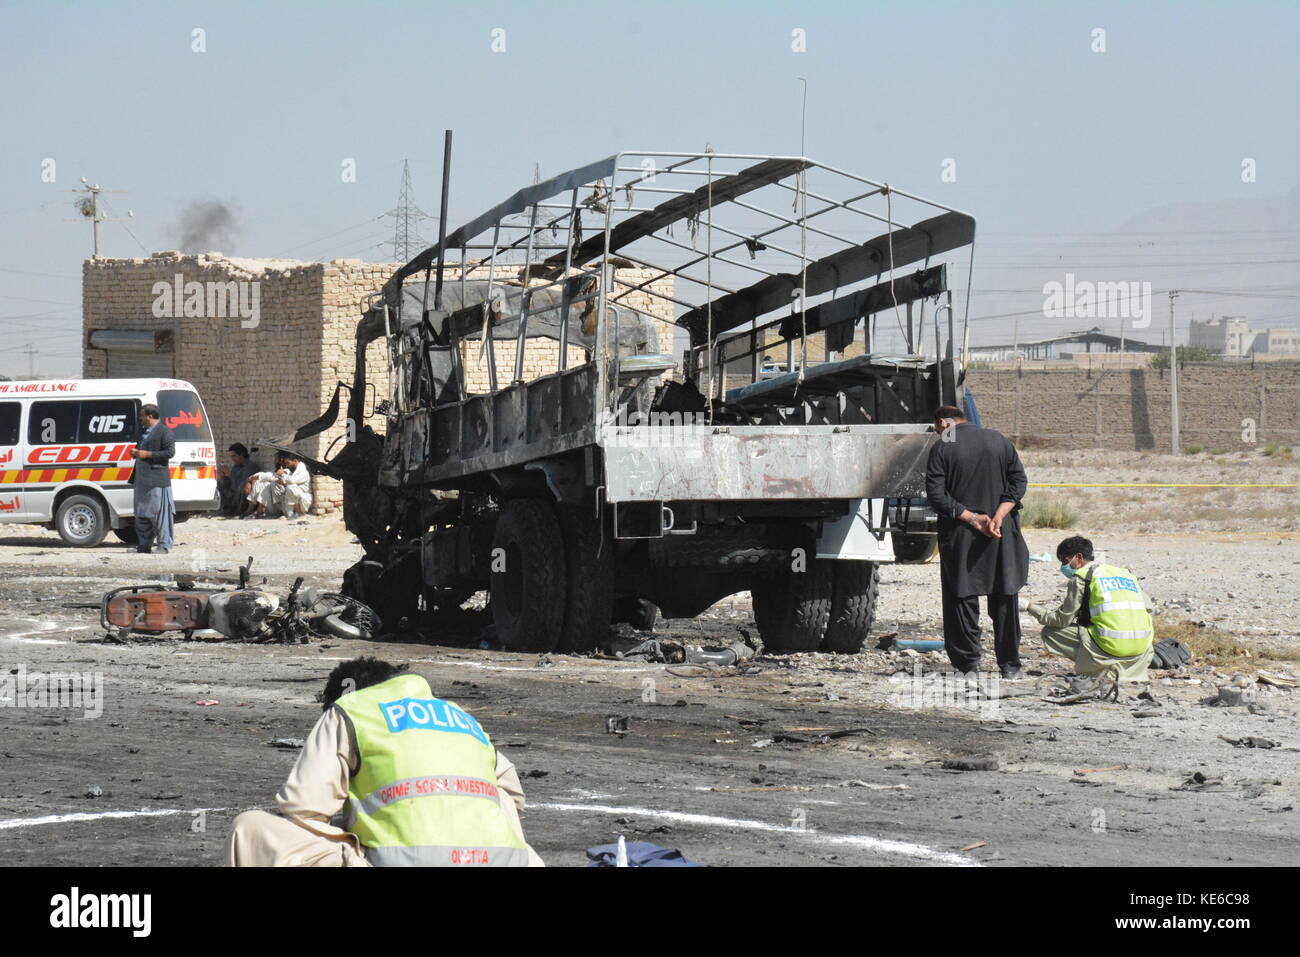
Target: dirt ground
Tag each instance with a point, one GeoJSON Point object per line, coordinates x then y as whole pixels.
{"type": "Point", "coordinates": [731, 766]}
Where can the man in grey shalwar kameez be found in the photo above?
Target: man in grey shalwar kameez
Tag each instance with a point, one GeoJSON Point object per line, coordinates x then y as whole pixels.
{"type": "Point", "coordinates": [151, 482]}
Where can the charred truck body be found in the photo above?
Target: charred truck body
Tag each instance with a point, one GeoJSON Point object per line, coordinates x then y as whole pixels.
{"type": "Point", "coordinates": [782, 452]}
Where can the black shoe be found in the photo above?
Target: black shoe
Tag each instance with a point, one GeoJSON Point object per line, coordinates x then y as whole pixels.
{"type": "Point", "coordinates": [143, 551]}
{"type": "Point", "coordinates": [1011, 672]}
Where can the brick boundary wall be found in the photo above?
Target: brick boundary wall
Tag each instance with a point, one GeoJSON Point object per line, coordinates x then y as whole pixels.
{"type": "Point", "coordinates": [1221, 406]}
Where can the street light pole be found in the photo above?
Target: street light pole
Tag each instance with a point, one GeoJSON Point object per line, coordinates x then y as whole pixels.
{"type": "Point", "coordinates": [1174, 444]}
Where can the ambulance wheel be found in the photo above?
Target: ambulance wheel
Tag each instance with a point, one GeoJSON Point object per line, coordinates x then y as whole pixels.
{"type": "Point", "coordinates": [81, 520]}
{"type": "Point", "coordinates": [793, 608]}
{"type": "Point", "coordinates": [528, 576]}
{"type": "Point", "coordinates": [855, 588]}
{"type": "Point", "coordinates": [127, 534]}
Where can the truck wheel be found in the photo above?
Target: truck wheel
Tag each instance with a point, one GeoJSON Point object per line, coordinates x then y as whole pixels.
{"type": "Point", "coordinates": [528, 580]}
{"type": "Point", "coordinates": [127, 534]}
{"type": "Point", "coordinates": [589, 580]}
{"type": "Point", "coordinates": [81, 520]}
{"type": "Point", "coordinates": [792, 609]}
{"type": "Point", "coordinates": [855, 587]}
{"type": "Point", "coordinates": [916, 548]}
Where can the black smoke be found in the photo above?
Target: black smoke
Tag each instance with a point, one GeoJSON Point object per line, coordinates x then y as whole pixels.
{"type": "Point", "coordinates": [208, 226]}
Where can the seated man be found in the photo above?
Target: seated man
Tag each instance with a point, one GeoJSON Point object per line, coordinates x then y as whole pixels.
{"type": "Point", "coordinates": [418, 778]}
{"type": "Point", "coordinates": [256, 488]}
{"type": "Point", "coordinates": [289, 494]}
{"type": "Point", "coordinates": [1104, 621]}
{"type": "Point", "coordinates": [233, 478]}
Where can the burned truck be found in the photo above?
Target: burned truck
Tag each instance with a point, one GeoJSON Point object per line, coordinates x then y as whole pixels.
{"type": "Point", "coordinates": [651, 383]}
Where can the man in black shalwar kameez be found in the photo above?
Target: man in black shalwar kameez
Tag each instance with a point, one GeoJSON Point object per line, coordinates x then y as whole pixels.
{"type": "Point", "coordinates": [974, 482]}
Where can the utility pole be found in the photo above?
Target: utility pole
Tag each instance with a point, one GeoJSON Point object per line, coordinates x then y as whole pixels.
{"type": "Point", "coordinates": [89, 207]}
{"type": "Point", "coordinates": [31, 361]}
{"type": "Point", "coordinates": [1174, 444]}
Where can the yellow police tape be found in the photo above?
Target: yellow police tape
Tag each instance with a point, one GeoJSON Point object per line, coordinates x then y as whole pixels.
{"type": "Point", "coordinates": [1160, 485]}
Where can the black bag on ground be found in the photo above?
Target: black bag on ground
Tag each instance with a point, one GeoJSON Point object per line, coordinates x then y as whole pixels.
{"type": "Point", "coordinates": [1170, 653]}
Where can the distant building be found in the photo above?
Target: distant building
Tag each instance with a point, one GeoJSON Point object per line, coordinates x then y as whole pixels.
{"type": "Point", "coordinates": [1059, 347]}
{"type": "Point", "coordinates": [1229, 336]}
{"type": "Point", "coordinates": [1232, 337]}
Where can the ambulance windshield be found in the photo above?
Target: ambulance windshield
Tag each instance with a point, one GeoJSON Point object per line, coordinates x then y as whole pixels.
{"type": "Point", "coordinates": [182, 412]}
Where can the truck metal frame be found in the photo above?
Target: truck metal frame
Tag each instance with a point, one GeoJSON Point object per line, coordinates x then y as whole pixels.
{"type": "Point", "coordinates": [624, 476]}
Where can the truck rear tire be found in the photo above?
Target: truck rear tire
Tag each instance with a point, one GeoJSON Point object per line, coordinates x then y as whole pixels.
{"type": "Point", "coordinates": [854, 590]}
{"type": "Point", "coordinates": [528, 576]}
{"type": "Point", "coordinates": [589, 580]}
{"type": "Point", "coordinates": [793, 608]}
{"type": "Point", "coordinates": [81, 520]}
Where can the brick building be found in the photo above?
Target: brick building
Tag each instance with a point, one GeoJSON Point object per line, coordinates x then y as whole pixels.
{"type": "Point", "coordinates": [266, 341]}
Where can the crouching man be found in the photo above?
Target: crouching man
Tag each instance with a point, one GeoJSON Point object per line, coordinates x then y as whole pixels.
{"type": "Point", "coordinates": [1104, 621]}
{"type": "Point", "coordinates": [416, 778]}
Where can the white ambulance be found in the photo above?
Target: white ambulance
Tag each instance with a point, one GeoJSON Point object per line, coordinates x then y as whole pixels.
{"type": "Point", "coordinates": [65, 453]}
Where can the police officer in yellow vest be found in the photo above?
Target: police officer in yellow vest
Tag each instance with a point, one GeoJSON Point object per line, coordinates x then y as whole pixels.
{"type": "Point", "coordinates": [1105, 619]}
{"type": "Point", "coordinates": [390, 776]}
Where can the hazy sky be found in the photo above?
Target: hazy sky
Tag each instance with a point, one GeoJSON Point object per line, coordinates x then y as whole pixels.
{"type": "Point", "coordinates": [1125, 163]}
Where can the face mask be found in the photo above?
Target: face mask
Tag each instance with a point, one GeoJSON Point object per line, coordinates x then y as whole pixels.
{"type": "Point", "coordinates": [1067, 571]}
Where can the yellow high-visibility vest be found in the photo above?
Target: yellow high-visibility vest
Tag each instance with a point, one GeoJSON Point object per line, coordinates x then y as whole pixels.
{"type": "Point", "coordinates": [426, 791]}
{"type": "Point", "coordinates": [1114, 610]}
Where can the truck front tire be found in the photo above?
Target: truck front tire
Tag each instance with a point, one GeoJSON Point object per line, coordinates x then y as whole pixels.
{"type": "Point", "coordinates": [528, 576]}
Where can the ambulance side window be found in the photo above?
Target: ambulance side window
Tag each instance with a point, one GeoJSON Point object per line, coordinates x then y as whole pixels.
{"type": "Point", "coordinates": [10, 413]}
{"type": "Point", "coordinates": [53, 423]}
{"type": "Point", "coordinates": [108, 420]}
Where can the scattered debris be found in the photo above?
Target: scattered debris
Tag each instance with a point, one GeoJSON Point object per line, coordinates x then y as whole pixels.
{"type": "Point", "coordinates": [1278, 679]}
{"type": "Point", "coordinates": [655, 650]}
{"type": "Point", "coordinates": [1102, 687]}
{"type": "Point", "coordinates": [207, 702]}
{"type": "Point", "coordinates": [971, 847]}
{"type": "Point", "coordinates": [94, 791]}
{"type": "Point", "coordinates": [288, 744]}
{"type": "Point", "coordinates": [855, 783]}
{"type": "Point", "coordinates": [793, 736]}
{"type": "Point", "coordinates": [1199, 781]}
{"type": "Point", "coordinates": [986, 762]}
{"type": "Point", "coordinates": [1249, 742]}
{"type": "Point", "coordinates": [1115, 767]}
{"type": "Point", "coordinates": [619, 724]}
